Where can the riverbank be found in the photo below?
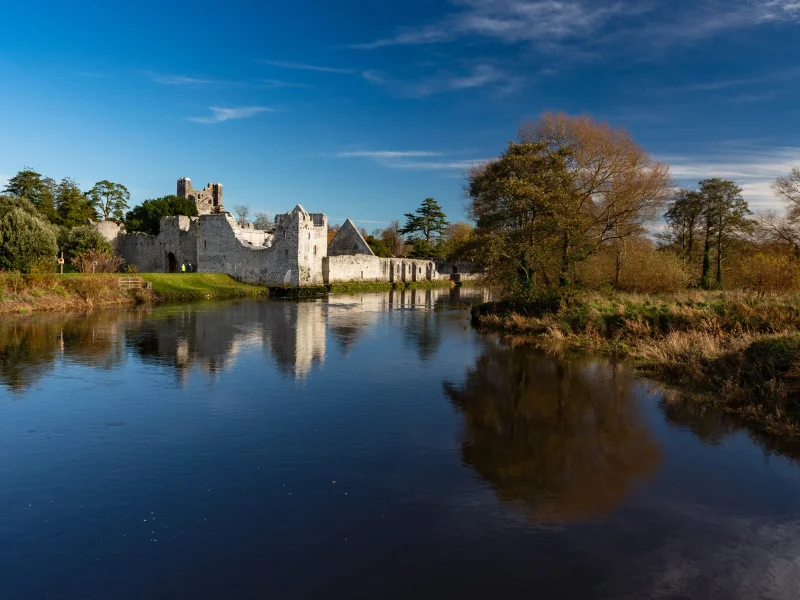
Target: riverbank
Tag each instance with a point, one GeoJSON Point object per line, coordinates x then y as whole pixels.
{"type": "Point", "coordinates": [737, 351]}
{"type": "Point", "coordinates": [86, 291]}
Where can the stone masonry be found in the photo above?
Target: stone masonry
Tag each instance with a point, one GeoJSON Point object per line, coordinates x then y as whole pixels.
{"type": "Point", "coordinates": [208, 200]}
{"type": "Point", "coordinates": [294, 254]}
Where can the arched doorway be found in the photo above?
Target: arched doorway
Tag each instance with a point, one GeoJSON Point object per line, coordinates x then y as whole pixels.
{"type": "Point", "coordinates": [172, 263]}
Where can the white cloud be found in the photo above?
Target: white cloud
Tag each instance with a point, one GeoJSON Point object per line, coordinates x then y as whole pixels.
{"type": "Point", "coordinates": [554, 24]}
{"type": "Point", "coordinates": [166, 79]}
{"type": "Point", "coordinates": [4, 181]}
{"type": "Point", "coordinates": [384, 153]}
{"type": "Point", "coordinates": [277, 83]}
{"type": "Point", "coordinates": [398, 159]}
{"type": "Point", "coordinates": [752, 168]}
{"type": "Point", "coordinates": [305, 67]}
{"type": "Point", "coordinates": [225, 114]}
{"type": "Point", "coordinates": [479, 75]}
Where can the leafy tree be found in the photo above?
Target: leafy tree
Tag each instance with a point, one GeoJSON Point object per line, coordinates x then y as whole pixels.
{"type": "Point", "coordinates": [614, 185]}
{"type": "Point", "coordinates": [378, 246]}
{"type": "Point", "coordinates": [146, 216]}
{"type": "Point", "coordinates": [40, 191]}
{"type": "Point", "coordinates": [725, 216]}
{"type": "Point", "coordinates": [427, 223]}
{"type": "Point", "coordinates": [520, 203]}
{"type": "Point", "coordinates": [262, 221]}
{"type": "Point", "coordinates": [73, 207]}
{"type": "Point", "coordinates": [25, 236]}
{"type": "Point", "coordinates": [110, 199]}
{"type": "Point", "coordinates": [455, 240]}
{"type": "Point", "coordinates": [79, 240]}
{"type": "Point", "coordinates": [241, 212]}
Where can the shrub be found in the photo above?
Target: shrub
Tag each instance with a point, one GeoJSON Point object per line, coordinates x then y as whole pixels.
{"type": "Point", "coordinates": [25, 237]}
{"type": "Point", "coordinates": [767, 273]}
{"type": "Point", "coordinates": [78, 240]}
{"type": "Point", "coordinates": [97, 261]}
{"type": "Point", "coordinates": [653, 271]}
{"type": "Point", "coordinates": [41, 273]}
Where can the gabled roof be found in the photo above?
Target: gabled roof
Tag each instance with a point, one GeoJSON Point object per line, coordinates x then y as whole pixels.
{"type": "Point", "coordinates": [349, 241]}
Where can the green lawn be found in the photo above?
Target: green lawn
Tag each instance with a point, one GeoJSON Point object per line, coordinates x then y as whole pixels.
{"type": "Point", "coordinates": [198, 285]}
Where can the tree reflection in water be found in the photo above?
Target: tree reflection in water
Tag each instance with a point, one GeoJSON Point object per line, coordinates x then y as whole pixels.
{"type": "Point", "coordinates": [563, 437]}
{"type": "Point", "coordinates": [31, 346]}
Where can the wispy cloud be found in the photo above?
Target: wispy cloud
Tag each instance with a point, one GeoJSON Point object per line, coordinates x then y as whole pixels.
{"type": "Point", "coordinates": [753, 168]}
{"type": "Point", "coordinates": [277, 83]}
{"type": "Point", "coordinates": [383, 154]}
{"type": "Point", "coordinates": [305, 67]}
{"type": "Point", "coordinates": [509, 21]}
{"type": "Point", "coordinates": [226, 114]}
{"type": "Point", "coordinates": [479, 75]}
{"type": "Point", "coordinates": [776, 76]}
{"type": "Point", "coordinates": [399, 159]}
{"type": "Point", "coordinates": [558, 25]}
{"type": "Point", "coordinates": [185, 80]}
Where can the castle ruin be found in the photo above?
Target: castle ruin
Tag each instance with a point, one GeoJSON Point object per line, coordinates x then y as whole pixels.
{"type": "Point", "coordinates": [208, 200]}
{"type": "Point", "coordinates": [295, 253]}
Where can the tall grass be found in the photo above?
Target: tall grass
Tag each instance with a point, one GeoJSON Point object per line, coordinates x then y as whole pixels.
{"type": "Point", "coordinates": [739, 350]}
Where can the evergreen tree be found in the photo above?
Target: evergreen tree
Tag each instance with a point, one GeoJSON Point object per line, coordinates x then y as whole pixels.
{"type": "Point", "coordinates": [25, 237]}
{"type": "Point", "coordinates": [39, 190]}
{"type": "Point", "coordinates": [726, 216]}
{"type": "Point", "coordinates": [428, 222]}
{"type": "Point", "coordinates": [73, 207]}
{"type": "Point", "coordinates": [684, 220]}
{"type": "Point", "coordinates": [110, 199]}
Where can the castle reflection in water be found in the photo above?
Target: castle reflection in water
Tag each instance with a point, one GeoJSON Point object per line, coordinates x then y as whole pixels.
{"type": "Point", "coordinates": [211, 337]}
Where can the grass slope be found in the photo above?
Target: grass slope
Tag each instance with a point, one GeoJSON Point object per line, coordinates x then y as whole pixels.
{"type": "Point", "coordinates": [199, 285]}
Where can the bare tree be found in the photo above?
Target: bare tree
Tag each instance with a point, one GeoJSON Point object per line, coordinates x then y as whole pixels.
{"type": "Point", "coordinates": [788, 189]}
{"type": "Point", "coordinates": [242, 212]}
{"type": "Point", "coordinates": [393, 238]}
{"type": "Point", "coordinates": [613, 185]}
{"type": "Point", "coordinates": [784, 229]}
{"type": "Point", "coordinates": [263, 221]}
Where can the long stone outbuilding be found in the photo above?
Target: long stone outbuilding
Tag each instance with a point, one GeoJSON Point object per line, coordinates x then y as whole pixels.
{"type": "Point", "coordinates": [293, 254]}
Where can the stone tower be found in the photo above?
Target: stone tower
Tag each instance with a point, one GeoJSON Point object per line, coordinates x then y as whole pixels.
{"type": "Point", "coordinates": [208, 200]}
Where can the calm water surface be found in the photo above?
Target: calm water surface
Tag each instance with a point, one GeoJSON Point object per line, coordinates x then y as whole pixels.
{"type": "Point", "coordinates": [368, 446]}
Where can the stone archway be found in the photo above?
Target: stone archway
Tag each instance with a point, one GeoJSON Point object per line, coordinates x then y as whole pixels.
{"type": "Point", "coordinates": [172, 263]}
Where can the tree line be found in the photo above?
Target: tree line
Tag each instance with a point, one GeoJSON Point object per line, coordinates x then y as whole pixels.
{"type": "Point", "coordinates": [575, 203]}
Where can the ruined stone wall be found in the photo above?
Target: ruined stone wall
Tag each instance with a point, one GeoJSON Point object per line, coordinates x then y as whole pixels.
{"type": "Point", "coordinates": [360, 267]}
{"type": "Point", "coordinates": [292, 255]}
{"type": "Point", "coordinates": [150, 254]}
{"type": "Point", "coordinates": [109, 230]}
{"type": "Point", "coordinates": [208, 200]}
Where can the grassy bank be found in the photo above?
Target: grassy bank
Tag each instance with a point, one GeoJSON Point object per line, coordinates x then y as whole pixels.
{"type": "Point", "coordinates": [191, 286]}
{"type": "Point", "coordinates": [84, 291]}
{"type": "Point", "coordinates": [737, 351]}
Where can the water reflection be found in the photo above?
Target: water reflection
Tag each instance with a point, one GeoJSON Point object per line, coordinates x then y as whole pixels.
{"type": "Point", "coordinates": [210, 337]}
{"type": "Point", "coordinates": [30, 347]}
{"type": "Point", "coordinates": [564, 438]}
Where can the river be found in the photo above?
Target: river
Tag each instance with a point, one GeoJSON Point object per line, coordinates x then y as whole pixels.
{"type": "Point", "coordinates": [367, 446]}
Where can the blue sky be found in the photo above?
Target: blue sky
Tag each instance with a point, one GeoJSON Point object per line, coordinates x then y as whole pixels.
{"type": "Point", "coordinates": [362, 109]}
